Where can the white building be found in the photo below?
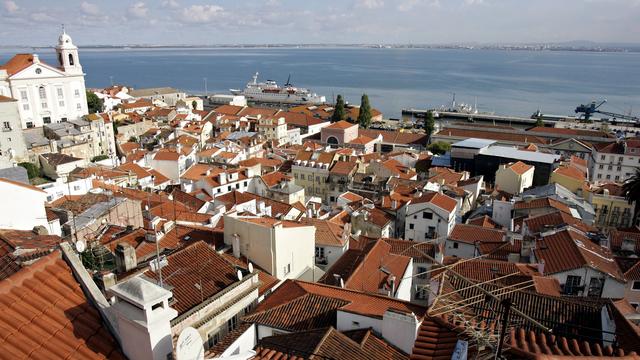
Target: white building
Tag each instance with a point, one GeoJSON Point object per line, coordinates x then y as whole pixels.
{"type": "Point", "coordinates": [615, 161]}
{"type": "Point", "coordinates": [46, 93]}
{"type": "Point", "coordinates": [514, 177]}
{"type": "Point", "coordinates": [429, 216]}
{"type": "Point", "coordinates": [12, 146]}
{"type": "Point", "coordinates": [22, 206]}
{"type": "Point", "coordinates": [284, 249]}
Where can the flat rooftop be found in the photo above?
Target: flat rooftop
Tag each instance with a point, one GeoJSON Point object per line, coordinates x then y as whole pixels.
{"type": "Point", "coordinates": [473, 143]}
{"type": "Point", "coordinates": [513, 153]}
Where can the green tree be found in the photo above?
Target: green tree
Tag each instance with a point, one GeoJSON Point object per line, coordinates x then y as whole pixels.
{"type": "Point", "coordinates": [99, 158]}
{"type": "Point", "coordinates": [429, 123]}
{"type": "Point", "coordinates": [539, 122]}
{"type": "Point", "coordinates": [33, 171]}
{"type": "Point", "coordinates": [439, 147]}
{"type": "Point", "coordinates": [631, 189]}
{"type": "Point", "coordinates": [339, 112]}
{"type": "Point", "coordinates": [194, 104]}
{"type": "Point", "coordinates": [94, 103]}
{"type": "Point", "coordinates": [364, 116]}
{"type": "Point", "coordinates": [133, 139]}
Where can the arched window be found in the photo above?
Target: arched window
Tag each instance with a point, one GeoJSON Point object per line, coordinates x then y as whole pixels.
{"type": "Point", "coordinates": [60, 59]}
{"type": "Point", "coordinates": [332, 140]}
{"type": "Point", "coordinates": [70, 59]}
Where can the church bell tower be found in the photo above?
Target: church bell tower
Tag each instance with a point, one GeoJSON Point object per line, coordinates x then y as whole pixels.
{"type": "Point", "coordinates": [68, 54]}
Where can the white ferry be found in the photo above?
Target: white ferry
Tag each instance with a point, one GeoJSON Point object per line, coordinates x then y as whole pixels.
{"type": "Point", "coordinates": [269, 91]}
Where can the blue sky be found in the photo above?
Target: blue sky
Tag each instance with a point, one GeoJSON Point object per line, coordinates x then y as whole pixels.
{"type": "Point", "coordinates": [37, 22]}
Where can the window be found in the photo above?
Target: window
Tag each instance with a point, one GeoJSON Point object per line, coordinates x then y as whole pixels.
{"type": "Point", "coordinates": [608, 177]}
{"type": "Point", "coordinates": [319, 252]}
{"type": "Point", "coordinates": [422, 293]}
{"type": "Point", "coordinates": [427, 215]}
{"type": "Point", "coordinates": [6, 126]}
{"type": "Point", "coordinates": [636, 285]}
{"type": "Point", "coordinates": [601, 167]}
{"type": "Point", "coordinates": [29, 124]}
{"type": "Point", "coordinates": [71, 59]}
{"type": "Point", "coordinates": [64, 119]}
{"type": "Point", "coordinates": [572, 285]}
{"type": "Point", "coordinates": [619, 168]}
{"type": "Point", "coordinates": [617, 177]}
{"type": "Point", "coordinates": [79, 106]}
{"type": "Point", "coordinates": [42, 92]}
{"type": "Point", "coordinates": [76, 93]}
{"type": "Point", "coordinates": [213, 339]}
{"type": "Point", "coordinates": [602, 157]}
{"type": "Point", "coordinates": [599, 176]}
{"type": "Point", "coordinates": [422, 272]}
{"type": "Point", "coordinates": [229, 188]}
{"type": "Point", "coordinates": [237, 185]}
{"type": "Point", "coordinates": [620, 159]}
{"type": "Point", "coordinates": [25, 106]}
{"type": "Point", "coordinates": [23, 95]}
{"type": "Point", "coordinates": [455, 245]}
{"type": "Point", "coordinates": [310, 177]}
{"type": "Point", "coordinates": [46, 119]}
{"type": "Point", "coordinates": [410, 226]}
{"type": "Point", "coordinates": [295, 176]}
{"type": "Point", "coordinates": [61, 103]}
{"type": "Point", "coordinates": [609, 167]}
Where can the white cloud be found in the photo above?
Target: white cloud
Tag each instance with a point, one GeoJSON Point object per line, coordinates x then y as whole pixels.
{"type": "Point", "coordinates": [407, 5]}
{"type": "Point", "coordinates": [42, 17]}
{"type": "Point", "coordinates": [369, 4]}
{"type": "Point", "coordinates": [11, 6]}
{"type": "Point", "coordinates": [138, 10]}
{"type": "Point", "coordinates": [89, 8]}
{"type": "Point", "coordinates": [170, 4]}
{"type": "Point", "coordinates": [201, 13]}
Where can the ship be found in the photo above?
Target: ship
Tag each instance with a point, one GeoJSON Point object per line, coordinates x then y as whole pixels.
{"type": "Point", "coordinates": [270, 91]}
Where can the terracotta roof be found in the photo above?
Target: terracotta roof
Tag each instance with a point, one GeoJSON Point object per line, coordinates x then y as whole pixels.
{"type": "Point", "coordinates": [17, 63]}
{"type": "Point", "coordinates": [552, 220]}
{"type": "Point", "coordinates": [571, 172]}
{"type": "Point", "coordinates": [46, 315]}
{"type": "Point", "coordinates": [435, 340]}
{"type": "Point", "coordinates": [56, 159]}
{"type": "Point", "coordinates": [136, 169]}
{"type": "Point", "coordinates": [578, 161]}
{"type": "Point", "coordinates": [378, 217]}
{"type": "Point", "coordinates": [28, 240]}
{"type": "Point", "coordinates": [326, 344]}
{"type": "Point", "coordinates": [343, 167]}
{"type": "Point", "coordinates": [129, 147]}
{"type": "Point", "coordinates": [298, 305]}
{"type": "Point", "coordinates": [278, 208]}
{"type": "Point", "coordinates": [6, 99]}
{"type": "Point", "coordinates": [341, 125]}
{"type": "Point", "coordinates": [141, 103]}
{"type": "Point", "coordinates": [9, 264]}
{"type": "Point", "coordinates": [499, 250]}
{"type": "Point", "coordinates": [568, 250]}
{"type": "Point", "coordinates": [519, 167]}
{"type": "Point", "coordinates": [483, 270]}
{"type": "Point", "coordinates": [616, 237]}
{"type": "Point", "coordinates": [398, 169]}
{"type": "Point", "coordinates": [167, 155]}
{"type": "Point", "coordinates": [255, 111]}
{"type": "Point", "coordinates": [615, 147]}
{"type": "Point", "coordinates": [541, 203]}
{"type": "Point", "coordinates": [412, 249]}
{"type": "Point", "coordinates": [547, 285]}
{"type": "Point", "coordinates": [274, 178]}
{"type": "Point", "coordinates": [195, 272]}
{"type": "Point", "coordinates": [327, 233]}
{"type": "Point", "coordinates": [350, 197]}
{"type": "Point", "coordinates": [368, 269]}
{"type": "Point", "coordinates": [470, 234]}
{"type": "Point", "coordinates": [484, 221]}
{"type": "Point", "coordinates": [267, 281]}
{"type": "Point", "coordinates": [361, 140]}
{"type": "Point", "coordinates": [613, 188]}
{"type": "Point", "coordinates": [188, 200]}
{"type": "Point", "coordinates": [262, 161]}
{"type": "Point", "coordinates": [158, 177]}
{"type": "Point", "coordinates": [228, 109]}
{"type": "Point", "coordinates": [396, 137]}
{"type": "Point", "coordinates": [442, 201]}
{"type": "Point", "coordinates": [449, 176]}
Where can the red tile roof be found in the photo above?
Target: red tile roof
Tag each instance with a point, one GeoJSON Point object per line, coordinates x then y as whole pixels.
{"type": "Point", "coordinates": [196, 273]}
{"type": "Point", "coordinates": [228, 109]}
{"type": "Point", "coordinates": [327, 233]}
{"type": "Point", "coordinates": [363, 269]}
{"type": "Point", "coordinates": [22, 185]}
{"type": "Point", "coordinates": [341, 125]}
{"type": "Point", "coordinates": [442, 201]}
{"type": "Point", "coordinates": [571, 172]}
{"type": "Point", "coordinates": [484, 221]}
{"type": "Point", "coordinates": [28, 240]}
{"type": "Point", "coordinates": [541, 203]}
{"type": "Point", "coordinates": [274, 178]}
{"type": "Point", "coordinates": [435, 341]}
{"type": "Point", "coordinates": [343, 168]}
{"type": "Point", "coordinates": [519, 167]}
{"type": "Point", "coordinates": [568, 250]}
{"type": "Point", "coordinates": [17, 63]}
{"type": "Point", "coordinates": [471, 234]}
{"type": "Point", "coordinates": [396, 137]}
{"type": "Point", "coordinates": [45, 315]}
{"type": "Point", "coordinates": [299, 305]}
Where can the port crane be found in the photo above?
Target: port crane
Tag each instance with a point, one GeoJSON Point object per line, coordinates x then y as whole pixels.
{"type": "Point", "coordinates": [589, 109]}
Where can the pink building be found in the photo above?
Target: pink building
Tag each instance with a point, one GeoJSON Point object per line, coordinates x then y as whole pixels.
{"type": "Point", "coordinates": [339, 133]}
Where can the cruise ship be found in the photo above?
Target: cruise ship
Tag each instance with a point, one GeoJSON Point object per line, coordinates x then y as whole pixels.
{"type": "Point", "coordinates": [269, 91]}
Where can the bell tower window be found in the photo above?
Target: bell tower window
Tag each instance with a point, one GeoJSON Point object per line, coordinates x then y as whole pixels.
{"type": "Point", "coordinates": [60, 59]}
{"type": "Point", "coordinates": [70, 59]}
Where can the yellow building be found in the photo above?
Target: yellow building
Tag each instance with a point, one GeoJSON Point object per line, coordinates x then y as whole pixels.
{"type": "Point", "coordinates": [611, 207]}
{"type": "Point", "coordinates": [514, 177]}
{"type": "Point", "coordinates": [570, 177]}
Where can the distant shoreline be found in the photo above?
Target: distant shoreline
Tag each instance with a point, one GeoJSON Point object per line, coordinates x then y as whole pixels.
{"type": "Point", "coordinates": [532, 47]}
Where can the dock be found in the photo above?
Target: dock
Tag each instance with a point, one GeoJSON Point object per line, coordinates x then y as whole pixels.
{"type": "Point", "coordinates": [473, 117]}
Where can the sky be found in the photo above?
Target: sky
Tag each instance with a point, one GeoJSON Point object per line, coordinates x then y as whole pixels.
{"type": "Point", "coordinates": [204, 22]}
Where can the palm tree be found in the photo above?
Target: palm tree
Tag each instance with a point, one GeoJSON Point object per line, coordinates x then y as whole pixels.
{"type": "Point", "coordinates": [631, 188]}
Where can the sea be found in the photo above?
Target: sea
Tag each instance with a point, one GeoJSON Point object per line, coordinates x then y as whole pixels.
{"type": "Point", "coordinates": [498, 81]}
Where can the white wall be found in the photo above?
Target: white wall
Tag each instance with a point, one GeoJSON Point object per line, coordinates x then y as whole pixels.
{"type": "Point", "coordinates": [464, 250]}
{"type": "Point", "coordinates": [59, 188]}
{"type": "Point", "coordinates": [502, 213]}
{"type": "Point", "coordinates": [406, 283]}
{"type": "Point", "coordinates": [22, 208]}
{"type": "Point", "coordinates": [244, 343]}
{"type": "Point", "coordinates": [442, 221]}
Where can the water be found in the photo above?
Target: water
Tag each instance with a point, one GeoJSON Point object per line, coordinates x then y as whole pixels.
{"type": "Point", "coordinates": [505, 82]}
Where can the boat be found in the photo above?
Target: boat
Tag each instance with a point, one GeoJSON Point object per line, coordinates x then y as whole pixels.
{"type": "Point", "coordinates": [270, 91]}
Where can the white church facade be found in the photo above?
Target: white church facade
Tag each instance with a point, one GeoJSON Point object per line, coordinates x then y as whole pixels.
{"type": "Point", "coordinates": [45, 93]}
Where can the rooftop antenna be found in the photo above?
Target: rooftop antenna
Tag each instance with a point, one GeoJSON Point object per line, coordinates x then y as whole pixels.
{"type": "Point", "coordinates": [63, 30]}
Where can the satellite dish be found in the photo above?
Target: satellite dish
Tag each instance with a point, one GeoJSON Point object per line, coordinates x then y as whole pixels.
{"type": "Point", "coordinates": [239, 275]}
{"type": "Point", "coordinates": [251, 268]}
{"type": "Point", "coordinates": [80, 246]}
{"type": "Point", "coordinates": [189, 345]}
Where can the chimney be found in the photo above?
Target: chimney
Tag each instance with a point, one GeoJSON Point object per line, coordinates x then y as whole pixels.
{"type": "Point", "coordinates": [144, 319]}
{"type": "Point", "coordinates": [541, 267]}
{"type": "Point", "coordinates": [628, 245]}
{"type": "Point", "coordinates": [125, 257]}
{"type": "Point", "coordinates": [236, 246]}
{"type": "Point", "coordinates": [222, 178]}
{"type": "Point", "coordinates": [528, 245]}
